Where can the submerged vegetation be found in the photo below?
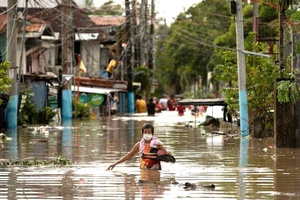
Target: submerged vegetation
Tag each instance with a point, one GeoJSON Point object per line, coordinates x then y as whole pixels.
{"type": "Point", "coordinates": [29, 114]}
{"type": "Point", "coordinates": [58, 160]}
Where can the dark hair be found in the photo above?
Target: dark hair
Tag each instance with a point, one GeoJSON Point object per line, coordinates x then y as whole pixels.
{"type": "Point", "coordinates": [146, 126]}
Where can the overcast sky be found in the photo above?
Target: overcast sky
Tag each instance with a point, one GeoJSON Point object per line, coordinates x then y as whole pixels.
{"type": "Point", "coordinates": [168, 9]}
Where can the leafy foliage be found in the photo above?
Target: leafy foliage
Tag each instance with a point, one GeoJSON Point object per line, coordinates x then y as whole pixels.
{"type": "Point", "coordinates": [80, 110]}
{"type": "Point", "coordinates": [28, 113]}
{"type": "Point", "coordinates": [261, 74]}
{"type": "Point", "coordinates": [142, 75]}
{"type": "Point", "coordinates": [5, 81]}
{"type": "Point", "coordinates": [287, 91]}
{"type": "Point", "coordinates": [186, 47]}
{"type": "Point", "coordinates": [108, 8]}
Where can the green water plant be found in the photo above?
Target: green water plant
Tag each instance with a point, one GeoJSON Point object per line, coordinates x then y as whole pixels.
{"type": "Point", "coordinates": [80, 110]}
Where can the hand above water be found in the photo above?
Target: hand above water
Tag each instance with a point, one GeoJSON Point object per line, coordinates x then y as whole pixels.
{"type": "Point", "coordinates": [110, 167]}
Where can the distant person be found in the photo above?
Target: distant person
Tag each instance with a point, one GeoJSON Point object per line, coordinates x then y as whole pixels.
{"type": "Point", "coordinates": [151, 107]}
{"type": "Point", "coordinates": [195, 110]}
{"type": "Point", "coordinates": [140, 105]}
{"type": "Point", "coordinates": [114, 103]}
{"type": "Point", "coordinates": [145, 147]}
{"type": "Point", "coordinates": [124, 52]}
{"type": "Point", "coordinates": [181, 110]}
{"type": "Point", "coordinates": [164, 102]}
{"type": "Point", "coordinates": [112, 55]}
{"type": "Point", "coordinates": [158, 107]}
{"type": "Point", "coordinates": [202, 110]}
{"type": "Point", "coordinates": [172, 103]}
{"type": "Point", "coordinates": [111, 67]}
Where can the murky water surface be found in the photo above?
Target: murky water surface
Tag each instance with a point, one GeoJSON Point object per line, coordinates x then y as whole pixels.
{"type": "Point", "coordinates": [239, 168]}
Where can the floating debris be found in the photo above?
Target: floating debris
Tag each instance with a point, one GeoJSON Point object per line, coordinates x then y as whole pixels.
{"type": "Point", "coordinates": [193, 186]}
{"type": "Point", "coordinates": [57, 160]}
{"type": "Point", "coordinates": [4, 137]}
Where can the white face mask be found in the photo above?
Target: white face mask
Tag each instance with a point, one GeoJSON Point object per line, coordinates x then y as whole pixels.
{"type": "Point", "coordinates": [147, 137]}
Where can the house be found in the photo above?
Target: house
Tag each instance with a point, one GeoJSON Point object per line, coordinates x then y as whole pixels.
{"type": "Point", "coordinates": [41, 60]}
{"type": "Point", "coordinates": [115, 27]}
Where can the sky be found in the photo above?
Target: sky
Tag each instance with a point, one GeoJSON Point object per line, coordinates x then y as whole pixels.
{"type": "Point", "coordinates": [168, 9]}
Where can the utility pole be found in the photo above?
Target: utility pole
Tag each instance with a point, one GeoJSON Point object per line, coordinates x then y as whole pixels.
{"type": "Point", "coordinates": [129, 58]}
{"type": "Point", "coordinates": [243, 102]}
{"type": "Point", "coordinates": [66, 40]}
{"type": "Point", "coordinates": [133, 35]}
{"type": "Point", "coordinates": [11, 56]}
{"type": "Point", "coordinates": [143, 31]}
{"type": "Point", "coordinates": [151, 43]}
{"type": "Point", "coordinates": [151, 64]}
{"type": "Point", "coordinates": [255, 20]}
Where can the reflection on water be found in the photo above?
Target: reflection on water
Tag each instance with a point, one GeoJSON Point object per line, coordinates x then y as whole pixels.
{"type": "Point", "coordinates": [239, 169]}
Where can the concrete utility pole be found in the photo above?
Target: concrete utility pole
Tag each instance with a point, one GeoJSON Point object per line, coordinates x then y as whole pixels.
{"type": "Point", "coordinates": [129, 59]}
{"type": "Point", "coordinates": [11, 56]}
{"type": "Point", "coordinates": [243, 102]}
{"type": "Point", "coordinates": [66, 62]}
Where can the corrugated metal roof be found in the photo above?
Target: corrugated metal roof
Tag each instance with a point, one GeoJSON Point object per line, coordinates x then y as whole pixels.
{"type": "Point", "coordinates": [82, 23]}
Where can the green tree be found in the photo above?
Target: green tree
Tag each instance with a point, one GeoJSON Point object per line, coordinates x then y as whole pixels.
{"type": "Point", "coordinates": [260, 76]}
{"type": "Point", "coordinates": [268, 28]}
{"type": "Point", "coordinates": [108, 8]}
{"type": "Point", "coordinates": [185, 52]}
{"type": "Point", "coordinates": [142, 75]}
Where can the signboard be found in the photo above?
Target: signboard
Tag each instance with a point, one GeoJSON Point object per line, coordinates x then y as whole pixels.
{"type": "Point", "coordinates": [97, 99]}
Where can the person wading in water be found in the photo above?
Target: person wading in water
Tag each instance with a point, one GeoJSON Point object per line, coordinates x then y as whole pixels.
{"type": "Point", "coordinates": [150, 148]}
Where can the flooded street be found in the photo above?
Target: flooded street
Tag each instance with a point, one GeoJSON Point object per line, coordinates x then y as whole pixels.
{"type": "Point", "coordinates": [238, 168]}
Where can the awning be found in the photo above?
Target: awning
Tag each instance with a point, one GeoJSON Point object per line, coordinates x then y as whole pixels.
{"type": "Point", "coordinates": [95, 90]}
{"type": "Point", "coordinates": [203, 102]}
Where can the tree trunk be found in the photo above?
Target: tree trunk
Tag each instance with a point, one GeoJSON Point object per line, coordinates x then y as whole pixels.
{"type": "Point", "coordinates": [284, 124]}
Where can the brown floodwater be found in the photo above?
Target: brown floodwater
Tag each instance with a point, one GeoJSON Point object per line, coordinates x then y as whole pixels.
{"type": "Point", "coordinates": [238, 168]}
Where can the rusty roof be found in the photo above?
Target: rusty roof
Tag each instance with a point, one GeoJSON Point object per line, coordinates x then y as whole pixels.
{"type": "Point", "coordinates": [53, 17]}
{"type": "Point", "coordinates": [35, 25]}
{"type": "Point", "coordinates": [81, 22]}
{"type": "Point", "coordinates": [108, 20]}
{"type": "Point", "coordinates": [2, 22]}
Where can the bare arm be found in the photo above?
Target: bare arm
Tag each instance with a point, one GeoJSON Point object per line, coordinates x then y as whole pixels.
{"type": "Point", "coordinates": [162, 148]}
{"type": "Point", "coordinates": [130, 154]}
{"type": "Point", "coordinates": [154, 155]}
